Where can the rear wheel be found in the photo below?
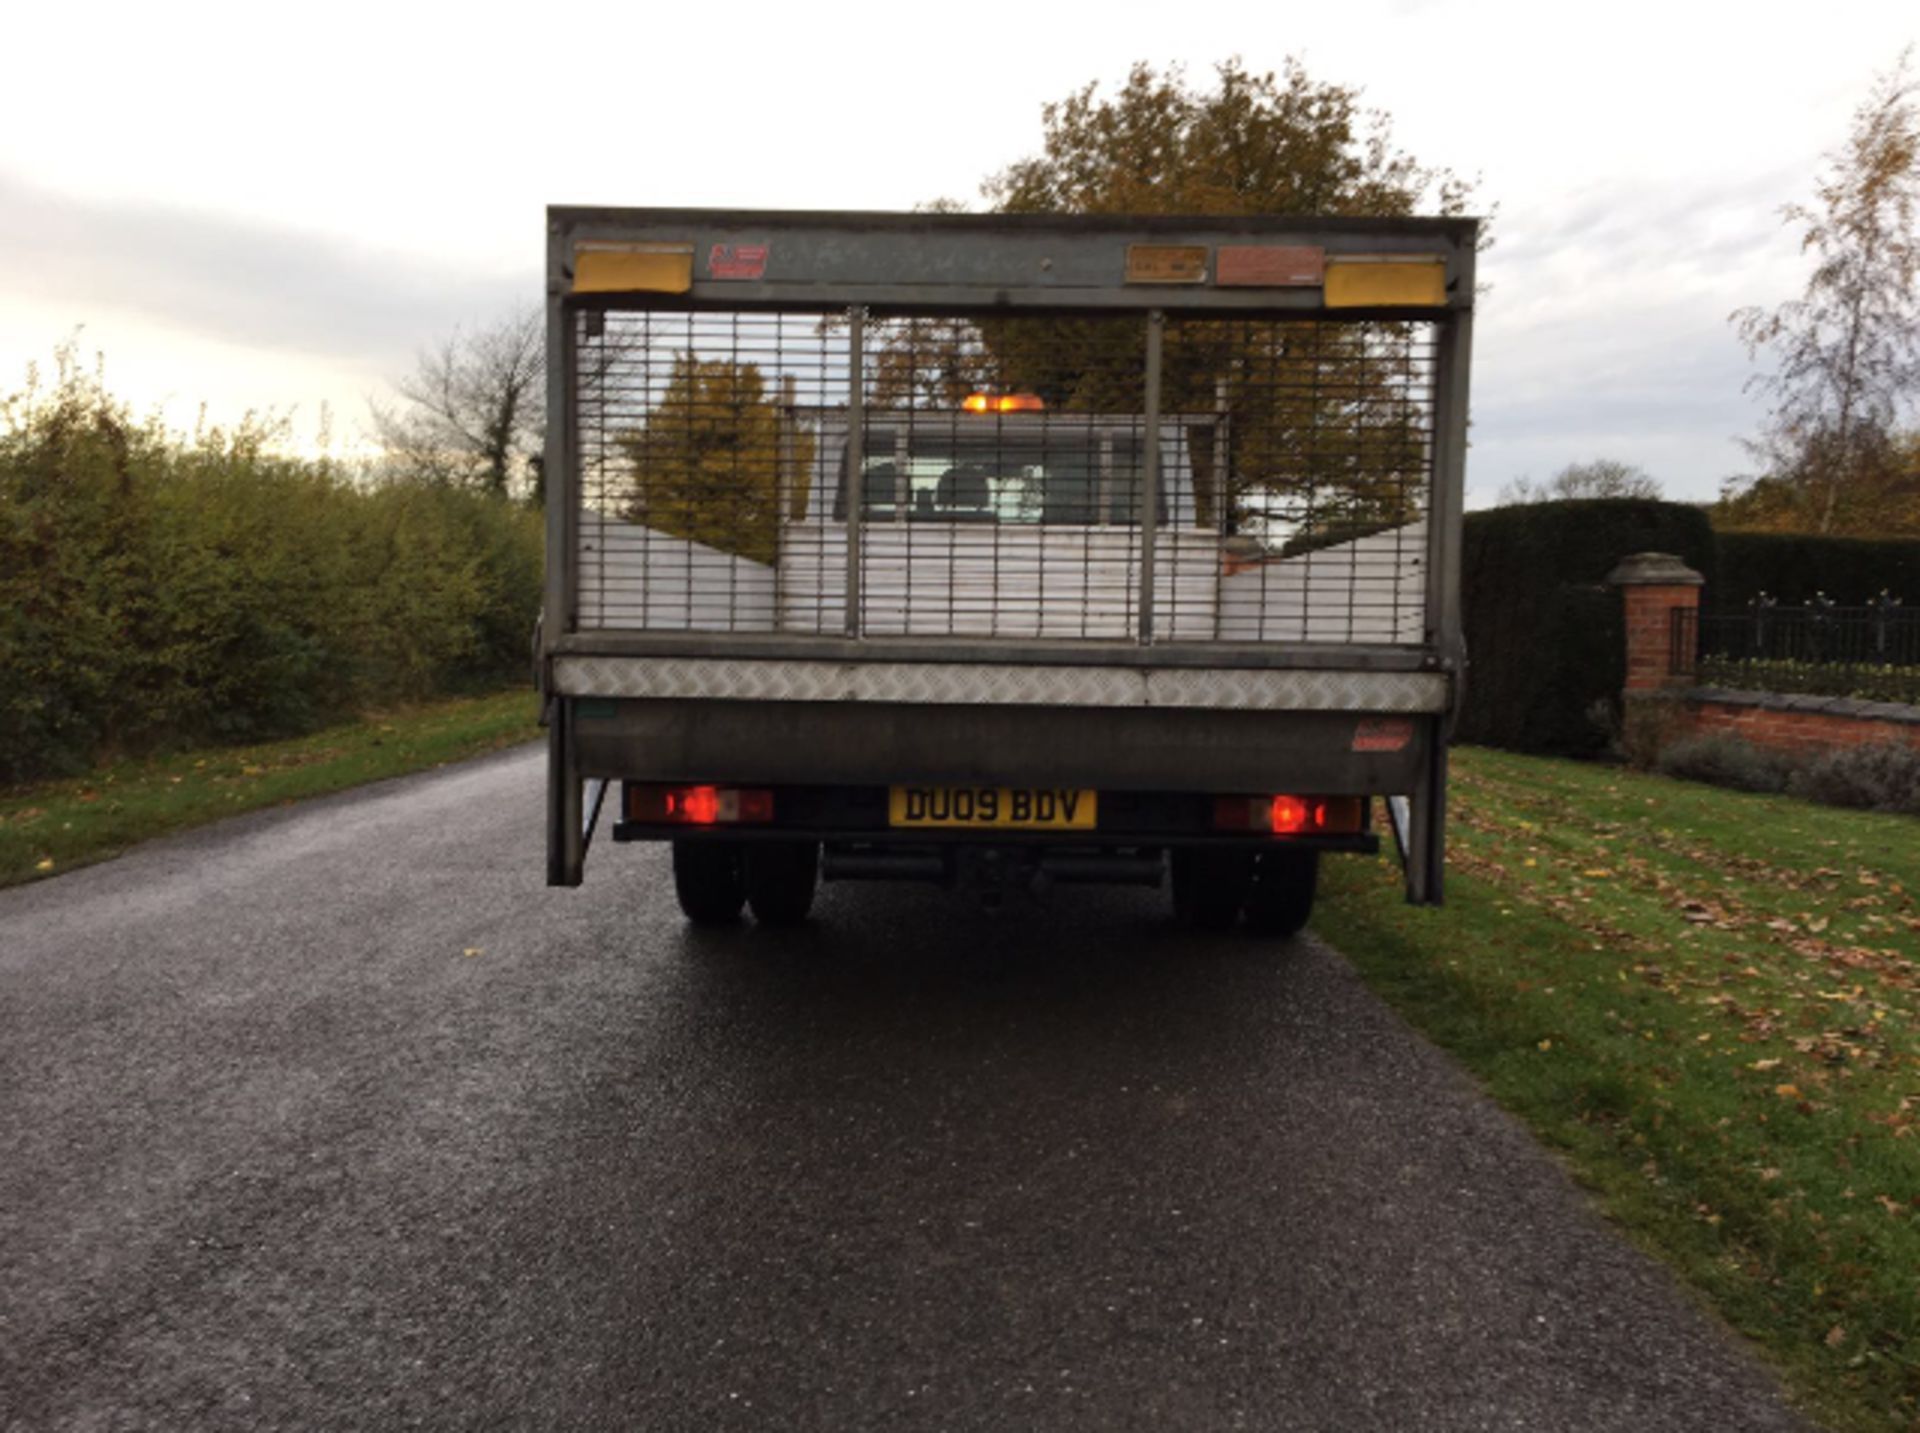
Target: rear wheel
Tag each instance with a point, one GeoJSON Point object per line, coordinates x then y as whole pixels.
{"type": "Point", "coordinates": [1280, 897]}
{"type": "Point", "coordinates": [710, 879]}
{"type": "Point", "coordinates": [1209, 885]}
{"type": "Point", "coordinates": [781, 877]}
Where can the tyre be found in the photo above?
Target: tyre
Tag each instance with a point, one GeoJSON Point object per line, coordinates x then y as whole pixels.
{"type": "Point", "coordinates": [1280, 896]}
{"type": "Point", "coordinates": [1209, 885]}
{"type": "Point", "coordinates": [709, 878]}
{"type": "Point", "coordinates": [781, 878]}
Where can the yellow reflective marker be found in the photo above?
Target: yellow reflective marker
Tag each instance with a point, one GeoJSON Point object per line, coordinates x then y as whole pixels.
{"type": "Point", "coordinates": [1386, 283]}
{"type": "Point", "coordinates": [633, 268]}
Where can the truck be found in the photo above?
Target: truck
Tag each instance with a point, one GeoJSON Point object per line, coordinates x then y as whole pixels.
{"type": "Point", "coordinates": [1003, 551]}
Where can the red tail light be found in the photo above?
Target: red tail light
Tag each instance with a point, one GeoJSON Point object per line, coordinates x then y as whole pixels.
{"type": "Point", "coordinates": [1289, 815]}
{"type": "Point", "coordinates": [698, 805]}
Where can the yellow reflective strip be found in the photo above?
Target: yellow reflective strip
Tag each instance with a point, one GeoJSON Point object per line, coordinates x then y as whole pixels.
{"type": "Point", "coordinates": [1386, 283]}
{"type": "Point", "coordinates": [661, 270]}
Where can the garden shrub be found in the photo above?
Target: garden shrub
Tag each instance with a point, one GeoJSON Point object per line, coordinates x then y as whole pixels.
{"type": "Point", "coordinates": [1882, 777]}
{"type": "Point", "coordinates": [1720, 759]}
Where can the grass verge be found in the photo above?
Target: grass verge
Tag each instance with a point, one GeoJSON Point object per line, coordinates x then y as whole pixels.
{"type": "Point", "coordinates": [53, 826]}
{"type": "Point", "coordinates": [1709, 1002]}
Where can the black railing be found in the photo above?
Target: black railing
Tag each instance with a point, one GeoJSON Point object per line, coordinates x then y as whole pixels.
{"type": "Point", "coordinates": [1871, 649]}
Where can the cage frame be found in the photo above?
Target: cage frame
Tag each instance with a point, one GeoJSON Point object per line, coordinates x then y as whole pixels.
{"type": "Point", "coordinates": [888, 265]}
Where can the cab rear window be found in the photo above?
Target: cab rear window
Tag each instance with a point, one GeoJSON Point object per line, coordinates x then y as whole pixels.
{"type": "Point", "coordinates": [1089, 477]}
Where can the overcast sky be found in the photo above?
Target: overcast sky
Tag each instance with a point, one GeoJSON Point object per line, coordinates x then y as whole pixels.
{"type": "Point", "coordinates": [275, 207]}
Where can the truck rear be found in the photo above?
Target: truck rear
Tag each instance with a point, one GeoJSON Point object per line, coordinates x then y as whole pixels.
{"type": "Point", "coordinates": [1003, 551]}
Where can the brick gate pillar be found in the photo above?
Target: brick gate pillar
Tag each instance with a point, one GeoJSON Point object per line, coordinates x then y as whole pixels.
{"type": "Point", "coordinates": [1653, 585]}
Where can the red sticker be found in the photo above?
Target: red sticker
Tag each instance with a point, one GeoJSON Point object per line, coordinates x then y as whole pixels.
{"type": "Point", "coordinates": [737, 261]}
{"type": "Point", "coordinates": [1273, 266]}
{"type": "Point", "coordinates": [1383, 734]}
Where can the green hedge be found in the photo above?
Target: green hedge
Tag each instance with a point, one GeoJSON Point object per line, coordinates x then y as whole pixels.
{"type": "Point", "coordinates": [159, 591]}
{"type": "Point", "coordinates": [1792, 568]}
{"type": "Point", "coordinates": [1544, 635]}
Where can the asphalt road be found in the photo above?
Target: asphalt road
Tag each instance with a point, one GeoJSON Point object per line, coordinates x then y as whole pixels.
{"type": "Point", "coordinates": [277, 1149]}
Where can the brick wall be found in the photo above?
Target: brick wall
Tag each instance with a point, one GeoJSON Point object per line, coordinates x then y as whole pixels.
{"type": "Point", "coordinates": [1795, 724]}
{"type": "Point", "coordinates": [1652, 586]}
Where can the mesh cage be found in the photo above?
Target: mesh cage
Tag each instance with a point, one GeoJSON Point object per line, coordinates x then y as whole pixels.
{"type": "Point", "coordinates": [1003, 477]}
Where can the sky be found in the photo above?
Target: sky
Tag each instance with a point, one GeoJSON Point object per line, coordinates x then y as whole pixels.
{"type": "Point", "coordinates": [276, 208]}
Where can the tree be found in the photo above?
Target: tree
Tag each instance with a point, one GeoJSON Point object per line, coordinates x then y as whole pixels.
{"type": "Point", "coordinates": [1602, 478]}
{"type": "Point", "coordinates": [1256, 144]}
{"type": "Point", "coordinates": [472, 414]}
{"type": "Point", "coordinates": [1848, 349]}
{"type": "Point", "coordinates": [1881, 501]}
{"type": "Point", "coordinates": [1318, 417]}
{"type": "Point", "coordinates": [708, 458]}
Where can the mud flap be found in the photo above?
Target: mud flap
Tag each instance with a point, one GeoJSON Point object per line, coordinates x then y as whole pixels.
{"type": "Point", "coordinates": [1419, 827]}
{"type": "Point", "coordinates": [568, 822]}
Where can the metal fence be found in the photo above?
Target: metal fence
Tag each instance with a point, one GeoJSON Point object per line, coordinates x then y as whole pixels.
{"type": "Point", "coordinates": [1111, 476]}
{"type": "Point", "coordinates": [1881, 633]}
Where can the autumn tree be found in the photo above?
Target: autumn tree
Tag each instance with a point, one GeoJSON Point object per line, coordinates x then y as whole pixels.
{"type": "Point", "coordinates": [1601, 478]}
{"type": "Point", "coordinates": [1847, 351]}
{"type": "Point", "coordinates": [1319, 416]}
{"type": "Point", "coordinates": [708, 456]}
{"type": "Point", "coordinates": [472, 414]}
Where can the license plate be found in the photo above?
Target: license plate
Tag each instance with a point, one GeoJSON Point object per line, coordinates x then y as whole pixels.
{"type": "Point", "coordinates": [996, 808]}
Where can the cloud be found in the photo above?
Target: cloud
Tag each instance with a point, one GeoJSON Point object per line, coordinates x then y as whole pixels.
{"type": "Point", "coordinates": [1605, 332]}
{"type": "Point", "coordinates": [240, 281]}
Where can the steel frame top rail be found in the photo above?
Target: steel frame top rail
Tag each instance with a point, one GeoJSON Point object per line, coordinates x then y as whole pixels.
{"type": "Point", "coordinates": [996, 262]}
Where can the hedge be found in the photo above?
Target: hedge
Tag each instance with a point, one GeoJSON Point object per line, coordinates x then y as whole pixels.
{"type": "Point", "coordinates": [1545, 646]}
{"type": "Point", "coordinates": [159, 591]}
{"type": "Point", "coordinates": [1792, 568]}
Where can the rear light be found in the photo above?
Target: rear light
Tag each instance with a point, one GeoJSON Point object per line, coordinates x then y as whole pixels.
{"type": "Point", "coordinates": [698, 805]}
{"type": "Point", "coordinates": [1289, 815]}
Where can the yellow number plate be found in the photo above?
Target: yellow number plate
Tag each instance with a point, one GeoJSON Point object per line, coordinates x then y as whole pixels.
{"type": "Point", "coordinates": [995, 808]}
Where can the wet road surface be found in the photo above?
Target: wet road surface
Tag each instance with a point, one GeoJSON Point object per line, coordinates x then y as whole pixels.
{"type": "Point", "coordinates": [336, 1117]}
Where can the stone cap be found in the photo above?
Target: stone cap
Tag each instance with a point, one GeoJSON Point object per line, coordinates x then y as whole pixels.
{"type": "Point", "coordinates": [1653, 569]}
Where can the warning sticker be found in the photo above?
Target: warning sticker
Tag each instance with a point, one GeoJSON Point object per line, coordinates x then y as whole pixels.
{"type": "Point", "coordinates": [737, 261]}
{"type": "Point", "coordinates": [1274, 266]}
{"type": "Point", "coordinates": [1383, 734]}
{"type": "Point", "coordinates": [1166, 263]}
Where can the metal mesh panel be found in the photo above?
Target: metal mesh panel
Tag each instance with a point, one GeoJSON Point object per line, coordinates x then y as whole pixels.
{"type": "Point", "coordinates": [1022, 520]}
{"type": "Point", "coordinates": [993, 478]}
{"type": "Point", "coordinates": [1318, 481]}
{"type": "Point", "coordinates": [694, 464]}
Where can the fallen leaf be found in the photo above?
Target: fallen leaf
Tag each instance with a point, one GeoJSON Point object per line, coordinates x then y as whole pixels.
{"type": "Point", "coordinates": [1787, 1092]}
{"type": "Point", "coordinates": [44, 864]}
{"type": "Point", "coordinates": [473, 950]}
{"type": "Point", "coordinates": [1836, 1336]}
{"type": "Point", "coordinates": [1546, 1044]}
{"type": "Point", "coordinates": [1764, 1065]}
{"type": "Point", "coordinates": [1598, 873]}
